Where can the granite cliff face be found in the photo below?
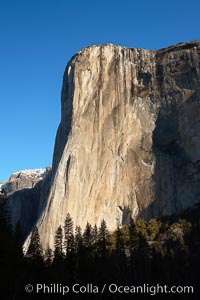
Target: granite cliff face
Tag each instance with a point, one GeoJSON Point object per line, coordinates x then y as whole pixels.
{"type": "Point", "coordinates": [129, 139]}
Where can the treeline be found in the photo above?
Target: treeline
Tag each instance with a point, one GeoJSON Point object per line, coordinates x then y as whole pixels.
{"type": "Point", "coordinates": [164, 251]}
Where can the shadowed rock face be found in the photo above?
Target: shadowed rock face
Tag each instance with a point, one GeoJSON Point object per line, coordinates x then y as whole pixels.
{"type": "Point", "coordinates": [129, 139]}
{"type": "Point", "coordinates": [27, 193]}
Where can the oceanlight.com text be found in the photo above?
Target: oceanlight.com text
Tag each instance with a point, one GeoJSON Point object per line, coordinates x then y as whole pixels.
{"type": "Point", "coordinates": [90, 288]}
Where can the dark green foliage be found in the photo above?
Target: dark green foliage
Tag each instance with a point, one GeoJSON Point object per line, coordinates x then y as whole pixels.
{"type": "Point", "coordinates": [95, 235]}
{"type": "Point", "coordinates": [68, 235]}
{"type": "Point", "coordinates": [153, 229]}
{"type": "Point", "coordinates": [120, 250]}
{"type": "Point", "coordinates": [102, 239]}
{"type": "Point", "coordinates": [5, 225]}
{"type": "Point", "coordinates": [34, 251]}
{"type": "Point", "coordinates": [120, 243]}
{"type": "Point", "coordinates": [142, 227]}
{"type": "Point", "coordinates": [48, 257]}
{"type": "Point", "coordinates": [11, 255]}
{"type": "Point", "coordinates": [158, 251]}
{"type": "Point", "coordinates": [58, 244]}
{"type": "Point", "coordinates": [87, 236]}
{"type": "Point", "coordinates": [78, 244]}
{"type": "Point", "coordinates": [143, 257]}
{"type": "Point", "coordinates": [133, 236]}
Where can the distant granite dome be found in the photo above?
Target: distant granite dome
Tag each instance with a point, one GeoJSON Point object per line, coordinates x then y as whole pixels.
{"type": "Point", "coordinates": [27, 192]}
{"type": "Point", "coordinates": [23, 179]}
{"type": "Point", "coordinates": [128, 144]}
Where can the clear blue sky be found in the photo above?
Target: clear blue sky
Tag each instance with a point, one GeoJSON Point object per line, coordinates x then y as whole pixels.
{"type": "Point", "coordinates": [38, 37]}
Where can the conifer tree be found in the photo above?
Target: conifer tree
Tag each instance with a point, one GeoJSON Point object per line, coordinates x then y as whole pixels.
{"type": "Point", "coordinates": [142, 227]}
{"type": "Point", "coordinates": [102, 239]}
{"type": "Point", "coordinates": [87, 236]}
{"type": "Point", "coordinates": [78, 239]}
{"type": "Point", "coordinates": [133, 247]}
{"type": "Point", "coordinates": [153, 228]}
{"type": "Point", "coordinates": [120, 245]}
{"type": "Point", "coordinates": [133, 236]}
{"type": "Point", "coordinates": [143, 255]}
{"type": "Point", "coordinates": [5, 223]}
{"type": "Point", "coordinates": [68, 235]}
{"type": "Point", "coordinates": [48, 257]}
{"type": "Point", "coordinates": [95, 241]}
{"type": "Point", "coordinates": [34, 251]}
{"type": "Point", "coordinates": [120, 251]}
{"type": "Point", "coordinates": [58, 244]}
{"type": "Point", "coordinates": [94, 234]}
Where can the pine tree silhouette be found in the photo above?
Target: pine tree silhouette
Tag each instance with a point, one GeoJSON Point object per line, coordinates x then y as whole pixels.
{"type": "Point", "coordinates": [133, 247]}
{"type": "Point", "coordinates": [102, 239]}
{"type": "Point", "coordinates": [133, 237]}
{"type": "Point", "coordinates": [58, 243]}
{"type": "Point", "coordinates": [48, 257]}
{"type": "Point", "coordinates": [95, 234]}
{"type": "Point", "coordinates": [34, 251]}
{"type": "Point", "coordinates": [68, 235]}
{"type": "Point", "coordinates": [120, 255]}
{"type": "Point", "coordinates": [120, 243]}
{"type": "Point", "coordinates": [87, 236]}
{"type": "Point", "coordinates": [78, 239]}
